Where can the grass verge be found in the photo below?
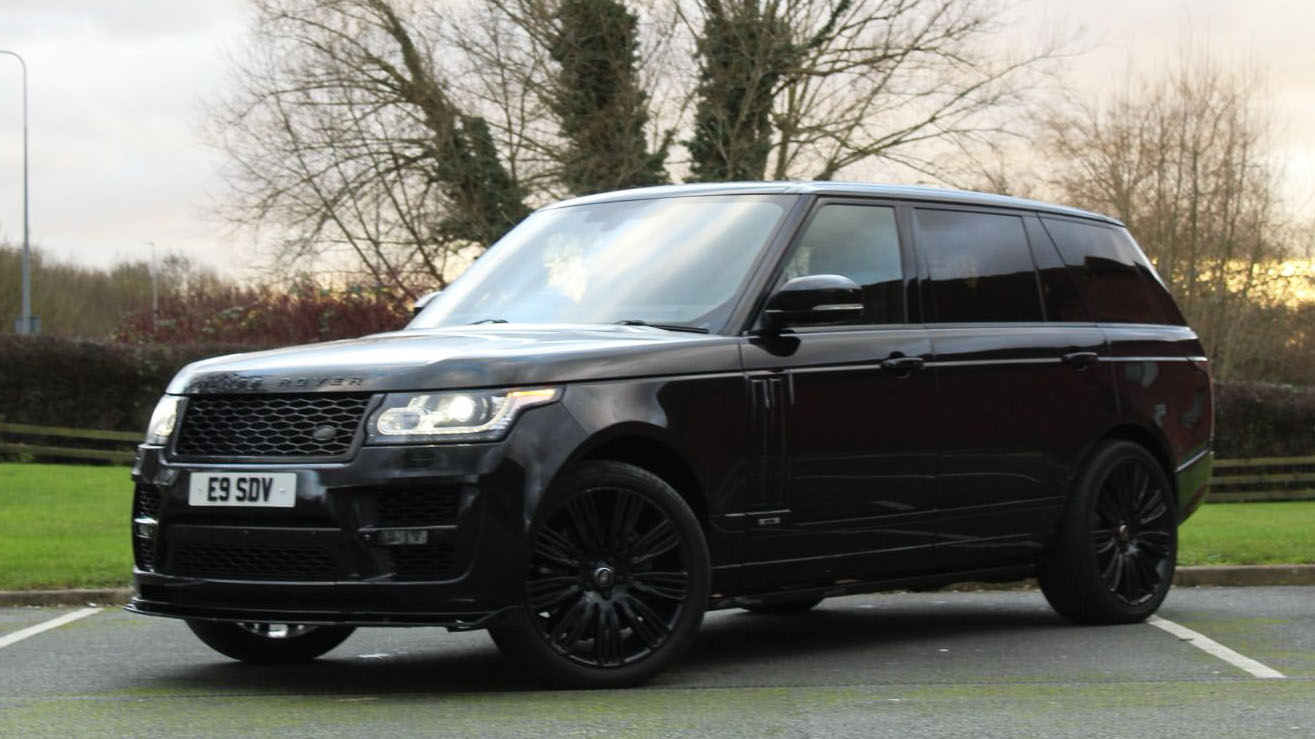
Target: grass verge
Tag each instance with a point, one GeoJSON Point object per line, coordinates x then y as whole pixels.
{"type": "Point", "coordinates": [1249, 534]}
{"type": "Point", "coordinates": [64, 526]}
{"type": "Point", "coordinates": [67, 526]}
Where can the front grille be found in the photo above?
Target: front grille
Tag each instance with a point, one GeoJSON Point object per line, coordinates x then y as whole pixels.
{"type": "Point", "coordinates": [271, 426]}
{"type": "Point", "coordinates": [190, 559]}
{"type": "Point", "coordinates": [418, 506]}
{"type": "Point", "coordinates": [146, 501]}
{"type": "Point", "coordinates": [433, 562]}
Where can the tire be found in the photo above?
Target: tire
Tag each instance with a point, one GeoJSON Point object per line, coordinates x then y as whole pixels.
{"type": "Point", "coordinates": [269, 644]}
{"type": "Point", "coordinates": [1114, 560]}
{"type": "Point", "coordinates": [616, 584]}
{"type": "Point", "coordinates": [784, 607]}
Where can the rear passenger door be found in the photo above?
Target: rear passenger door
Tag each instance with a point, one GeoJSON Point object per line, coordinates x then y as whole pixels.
{"type": "Point", "coordinates": [1017, 392]}
{"type": "Point", "coordinates": [1157, 361]}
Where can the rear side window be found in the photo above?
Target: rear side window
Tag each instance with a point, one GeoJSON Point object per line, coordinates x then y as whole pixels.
{"type": "Point", "coordinates": [1109, 268]}
{"type": "Point", "coordinates": [979, 265]}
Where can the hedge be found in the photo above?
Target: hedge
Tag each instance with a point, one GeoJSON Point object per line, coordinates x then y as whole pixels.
{"type": "Point", "coordinates": [51, 381]}
{"type": "Point", "coordinates": [86, 384]}
{"type": "Point", "coordinates": [1255, 419]}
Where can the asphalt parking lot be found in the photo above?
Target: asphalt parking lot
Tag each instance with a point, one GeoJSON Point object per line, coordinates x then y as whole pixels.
{"type": "Point", "coordinates": [906, 665]}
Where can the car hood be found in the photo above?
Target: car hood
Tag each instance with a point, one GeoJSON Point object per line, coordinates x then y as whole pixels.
{"type": "Point", "coordinates": [466, 357]}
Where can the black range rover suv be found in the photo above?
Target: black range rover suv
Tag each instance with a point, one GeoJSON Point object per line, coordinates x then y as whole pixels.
{"type": "Point", "coordinates": [642, 405]}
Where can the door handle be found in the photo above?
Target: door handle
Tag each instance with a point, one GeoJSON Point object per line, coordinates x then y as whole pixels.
{"type": "Point", "coordinates": [903, 364]}
{"type": "Point", "coordinates": [1079, 359]}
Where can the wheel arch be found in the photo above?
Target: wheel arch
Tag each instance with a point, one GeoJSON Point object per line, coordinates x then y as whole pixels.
{"type": "Point", "coordinates": [1152, 442]}
{"type": "Point", "coordinates": [646, 447]}
{"type": "Point", "coordinates": [1148, 439]}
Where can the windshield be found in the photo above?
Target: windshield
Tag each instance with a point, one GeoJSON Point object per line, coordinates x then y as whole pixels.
{"type": "Point", "coordinates": [660, 261]}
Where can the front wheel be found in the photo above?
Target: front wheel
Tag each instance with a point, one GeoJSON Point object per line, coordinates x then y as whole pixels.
{"type": "Point", "coordinates": [1114, 560]}
{"type": "Point", "coordinates": [617, 581]}
{"type": "Point", "coordinates": [269, 644]}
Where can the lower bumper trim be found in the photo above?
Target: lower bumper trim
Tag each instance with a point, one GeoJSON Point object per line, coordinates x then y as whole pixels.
{"type": "Point", "coordinates": [451, 621]}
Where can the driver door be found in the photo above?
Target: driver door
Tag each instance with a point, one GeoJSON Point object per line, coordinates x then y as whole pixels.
{"type": "Point", "coordinates": [846, 415]}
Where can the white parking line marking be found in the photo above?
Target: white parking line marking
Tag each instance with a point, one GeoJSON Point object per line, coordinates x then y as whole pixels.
{"type": "Point", "coordinates": [53, 623]}
{"type": "Point", "coordinates": [1210, 646]}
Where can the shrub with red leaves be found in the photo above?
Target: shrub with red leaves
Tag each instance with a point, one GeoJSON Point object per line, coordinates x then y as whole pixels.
{"type": "Point", "coordinates": [265, 317]}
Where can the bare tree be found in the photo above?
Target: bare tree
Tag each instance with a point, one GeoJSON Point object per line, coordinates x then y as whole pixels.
{"type": "Point", "coordinates": [342, 138]}
{"type": "Point", "coordinates": [1184, 159]}
{"type": "Point", "coordinates": [399, 140]}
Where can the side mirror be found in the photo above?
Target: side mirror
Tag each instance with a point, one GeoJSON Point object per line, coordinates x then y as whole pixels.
{"type": "Point", "coordinates": [422, 301]}
{"type": "Point", "coordinates": [815, 300]}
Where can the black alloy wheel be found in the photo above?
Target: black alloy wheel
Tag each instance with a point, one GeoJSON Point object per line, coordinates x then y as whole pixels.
{"type": "Point", "coordinates": [617, 580]}
{"type": "Point", "coordinates": [1115, 560]}
{"type": "Point", "coordinates": [267, 643]}
{"type": "Point", "coordinates": [1133, 532]}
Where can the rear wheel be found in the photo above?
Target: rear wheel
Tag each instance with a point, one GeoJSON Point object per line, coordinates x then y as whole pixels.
{"type": "Point", "coordinates": [1114, 561]}
{"type": "Point", "coordinates": [269, 644]}
{"type": "Point", "coordinates": [617, 581]}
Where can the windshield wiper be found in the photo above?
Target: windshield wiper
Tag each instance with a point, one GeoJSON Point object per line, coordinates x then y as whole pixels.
{"type": "Point", "coordinates": [666, 326]}
{"type": "Point", "coordinates": [487, 320]}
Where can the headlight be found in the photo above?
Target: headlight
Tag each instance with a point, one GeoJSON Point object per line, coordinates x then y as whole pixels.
{"type": "Point", "coordinates": [163, 420]}
{"type": "Point", "coordinates": [468, 415]}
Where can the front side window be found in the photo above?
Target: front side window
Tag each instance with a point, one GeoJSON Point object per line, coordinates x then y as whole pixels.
{"type": "Point", "coordinates": [979, 265]}
{"type": "Point", "coordinates": [860, 242]}
{"type": "Point", "coordinates": [679, 260]}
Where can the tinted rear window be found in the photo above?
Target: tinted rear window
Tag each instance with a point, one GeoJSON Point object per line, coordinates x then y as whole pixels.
{"type": "Point", "coordinates": [1109, 268]}
{"type": "Point", "coordinates": [980, 267]}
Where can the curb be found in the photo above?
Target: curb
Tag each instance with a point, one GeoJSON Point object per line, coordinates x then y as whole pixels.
{"type": "Point", "coordinates": [1207, 576]}
{"type": "Point", "coordinates": [1185, 577]}
{"type": "Point", "coordinates": [1198, 576]}
{"type": "Point", "coordinates": [77, 597]}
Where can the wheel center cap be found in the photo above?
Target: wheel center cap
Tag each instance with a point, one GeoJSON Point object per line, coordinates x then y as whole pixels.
{"type": "Point", "coordinates": [604, 577]}
{"type": "Point", "coordinates": [1124, 533]}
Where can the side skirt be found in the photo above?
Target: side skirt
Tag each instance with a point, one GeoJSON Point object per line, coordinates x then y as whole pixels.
{"type": "Point", "coordinates": [854, 587]}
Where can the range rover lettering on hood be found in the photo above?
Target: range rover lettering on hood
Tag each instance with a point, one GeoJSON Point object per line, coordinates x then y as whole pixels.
{"type": "Point", "coordinates": [235, 383]}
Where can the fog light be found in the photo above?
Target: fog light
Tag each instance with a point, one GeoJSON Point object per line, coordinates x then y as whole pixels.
{"type": "Point", "coordinates": [144, 528]}
{"type": "Point", "coordinates": [403, 537]}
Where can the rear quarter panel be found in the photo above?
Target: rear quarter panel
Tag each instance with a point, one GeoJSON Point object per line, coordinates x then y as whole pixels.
{"type": "Point", "coordinates": [1164, 386]}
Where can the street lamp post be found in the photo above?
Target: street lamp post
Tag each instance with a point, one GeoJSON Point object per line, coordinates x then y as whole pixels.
{"type": "Point", "coordinates": [26, 322]}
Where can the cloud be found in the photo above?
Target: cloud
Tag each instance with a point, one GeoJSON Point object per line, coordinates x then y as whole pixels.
{"type": "Point", "coordinates": [115, 91]}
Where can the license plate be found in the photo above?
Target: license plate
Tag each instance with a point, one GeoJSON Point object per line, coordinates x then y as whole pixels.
{"type": "Point", "coordinates": [245, 489]}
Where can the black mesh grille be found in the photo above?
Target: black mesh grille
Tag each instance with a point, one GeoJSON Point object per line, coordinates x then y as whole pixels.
{"type": "Point", "coordinates": [417, 506]}
{"type": "Point", "coordinates": [143, 551]}
{"type": "Point", "coordinates": [270, 426]}
{"type": "Point", "coordinates": [432, 562]}
{"type": "Point", "coordinates": [146, 502]}
{"type": "Point", "coordinates": [251, 562]}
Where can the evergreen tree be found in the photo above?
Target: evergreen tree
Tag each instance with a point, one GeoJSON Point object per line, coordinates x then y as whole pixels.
{"type": "Point", "coordinates": [744, 52]}
{"type": "Point", "coordinates": [602, 110]}
{"type": "Point", "coordinates": [488, 202]}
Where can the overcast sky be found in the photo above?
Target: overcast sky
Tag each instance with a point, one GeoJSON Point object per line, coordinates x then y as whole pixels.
{"type": "Point", "coordinates": [116, 87]}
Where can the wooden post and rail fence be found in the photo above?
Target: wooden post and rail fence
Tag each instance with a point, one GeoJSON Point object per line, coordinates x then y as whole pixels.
{"type": "Point", "coordinates": [1234, 480]}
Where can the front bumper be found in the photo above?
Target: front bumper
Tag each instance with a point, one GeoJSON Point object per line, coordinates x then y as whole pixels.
{"type": "Point", "coordinates": [323, 561]}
